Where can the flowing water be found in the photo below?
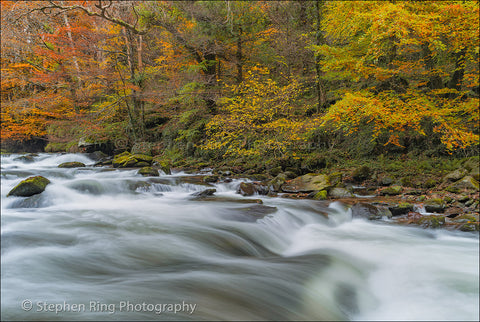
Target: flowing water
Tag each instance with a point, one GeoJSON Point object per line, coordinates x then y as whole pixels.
{"type": "Point", "coordinates": [103, 244]}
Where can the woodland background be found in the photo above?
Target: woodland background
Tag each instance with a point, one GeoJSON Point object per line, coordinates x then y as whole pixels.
{"type": "Point", "coordinates": [242, 81]}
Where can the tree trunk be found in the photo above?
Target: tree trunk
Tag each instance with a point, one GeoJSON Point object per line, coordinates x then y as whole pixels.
{"type": "Point", "coordinates": [435, 81]}
{"type": "Point", "coordinates": [239, 56]}
{"type": "Point", "coordinates": [457, 76]}
{"type": "Point", "coordinates": [320, 86]}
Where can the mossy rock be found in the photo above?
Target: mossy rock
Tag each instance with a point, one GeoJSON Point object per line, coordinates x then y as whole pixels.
{"type": "Point", "coordinates": [142, 157]}
{"type": "Point", "coordinates": [321, 195]}
{"type": "Point", "coordinates": [431, 221]}
{"type": "Point", "coordinates": [473, 226]}
{"type": "Point", "coordinates": [434, 205]}
{"type": "Point", "coordinates": [127, 160]}
{"type": "Point", "coordinates": [466, 218]}
{"type": "Point", "coordinates": [148, 172]}
{"type": "Point", "coordinates": [276, 183]}
{"type": "Point", "coordinates": [401, 209]}
{"type": "Point", "coordinates": [73, 164]}
{"type": "Point", "coordinates": [335, 178]}
{"type": "Point", "coordinates": [391, 191]}
{"type": "Point", "coordinates": [56, 147]}
{"type": "Point", "coordinates": [468, 183]}
{"type": "Point", "coordinates": [307, 183]}
{"type": "Point", "coordinates": [210, 179]}
{"type": "Point", "coordinates": [162, 163]}
{"type": "Point", "coordinates": [29, 187]}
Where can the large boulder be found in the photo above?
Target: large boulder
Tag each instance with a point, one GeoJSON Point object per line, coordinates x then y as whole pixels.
{"type": "Point", "coordinates": [29, 187]}
{"type": "Point", "coordinates": [307, 183]}
{"type": "Point", "coordinates": [73, 164]}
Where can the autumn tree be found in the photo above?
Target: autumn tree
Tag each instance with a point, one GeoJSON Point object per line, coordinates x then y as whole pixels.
{"type": "Point", "coordinates": [408, 65]}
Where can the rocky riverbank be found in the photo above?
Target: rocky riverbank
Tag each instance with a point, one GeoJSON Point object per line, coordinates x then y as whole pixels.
{"type": "Point", "coordinates": [450, 201]}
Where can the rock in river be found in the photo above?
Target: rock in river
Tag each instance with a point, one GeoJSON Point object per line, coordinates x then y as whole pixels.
{"type": "Point", "coordinates": [29, 187]}
{"type": "Point", "coordinates": [73, 164]}
{"type": "Point", "coordinates": [148, 172]}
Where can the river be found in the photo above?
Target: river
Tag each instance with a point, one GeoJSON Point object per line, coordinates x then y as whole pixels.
{"type": "Point", "coordinates": [104, 244]}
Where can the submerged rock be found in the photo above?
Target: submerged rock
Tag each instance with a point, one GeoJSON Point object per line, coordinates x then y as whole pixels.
{"type": "Point", "coordinates": [24, 158]}
{"type": "Point", "coordinates": [29, 187]}
{"type": "Point", "coordinates": [162, 164]}
{"type": "Point", "coordinates": [87, 186]}
{"type": "Point", "coordinates": [251, 213]}
{"type": "Point", "coordinates": [35, 201]}
{"type": "Point", "coordinates": [73, 164]}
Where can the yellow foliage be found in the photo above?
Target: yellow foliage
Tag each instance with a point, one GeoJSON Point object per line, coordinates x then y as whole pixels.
{"type": "Point", "coordinates": [259, 119]}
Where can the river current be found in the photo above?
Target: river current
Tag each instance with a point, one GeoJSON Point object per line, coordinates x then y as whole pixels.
{"type": "Point", "coordinates": [105, 244]}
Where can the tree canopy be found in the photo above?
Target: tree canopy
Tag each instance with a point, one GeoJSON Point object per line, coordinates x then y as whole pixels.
{"type": "Point", "coordinates": [219, 79]}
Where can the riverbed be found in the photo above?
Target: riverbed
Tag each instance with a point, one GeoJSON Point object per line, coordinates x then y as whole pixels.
{"type": "Point", "coordinates": [109, 244]}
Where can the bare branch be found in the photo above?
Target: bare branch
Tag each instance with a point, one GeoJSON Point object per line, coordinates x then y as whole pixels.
{"type": "Point", "coordinates": [102, 14]}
